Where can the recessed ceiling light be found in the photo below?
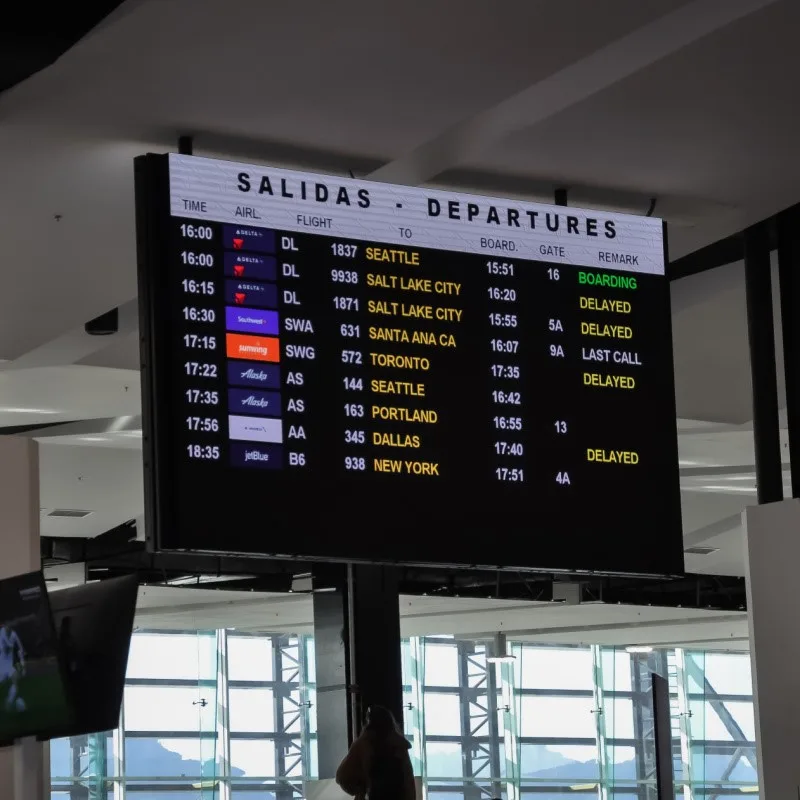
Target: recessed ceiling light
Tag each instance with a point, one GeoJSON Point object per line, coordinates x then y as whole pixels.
{"type": "Point", "coordinates": [701, 551]}
{"type": "Point", "coordinates": [20, 410]}
{"type": "Point", "coordinates": [639, 648]}
{"type": "Point", "coordinates": [77, 513]}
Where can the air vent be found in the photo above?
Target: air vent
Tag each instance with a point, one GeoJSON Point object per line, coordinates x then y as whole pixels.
{"type": "Point", "coordinates": [701, 551]}
{"type": "Point", "coordinates": [75, 513]}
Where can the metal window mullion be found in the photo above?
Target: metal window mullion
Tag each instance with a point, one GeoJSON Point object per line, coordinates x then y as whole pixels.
{"type": "Point", "coordinates": [223, 716]}
{"type": "Point", "coordinates": [416, 675]}
{"type": "Point", "coordinates": [684, 710]}
{"type": "Point", "coordinates": [600, 723]}
{"type": "Point", "coordinates": [118, 743]}
{"type": "Point", "coordinates": [305, 708]}
{"type": "Point", "coordinates": [511, 716]}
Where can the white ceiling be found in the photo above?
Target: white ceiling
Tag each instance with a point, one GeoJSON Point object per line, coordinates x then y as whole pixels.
{"type": "Point", "coordinates": [551, 623]}
{"type": "Point", "coordinates": [686, 102]}
{"type": "Point", "coordinates": [184, 608]}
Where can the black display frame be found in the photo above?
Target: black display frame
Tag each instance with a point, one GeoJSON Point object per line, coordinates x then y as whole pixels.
{"type": "Point", "coordinates": [153, 217]}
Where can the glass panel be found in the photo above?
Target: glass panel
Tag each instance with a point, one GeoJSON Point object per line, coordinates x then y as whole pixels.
{"type": "Point", "coordinates": [444, 760]}
{"type": "Point", "coordinates": [253, 758]}
{"type": "Point", "coordinates": [149, 794]}
{"type": "Point", "coordinates": [616, 666]}
{"type": "Point", "coordinates": [712, 766]}
{"type": "Point", "coordinates": [312, 712]}
{"type": "Point", "coordinates": [250, 658]}
{"type": "Point", "coordinates": [168, 758]}
{"type": "Point", "coordinates": [60, 759]}
{"type": "Point", "coordinates": [618, 717]}
{"type": "Point", "coordinates": [169, 708]}
{"type": "Point", "coordinates": [251, 793]}
{"type": "Point", "coordinates": [441, 665]}
{"type": "Point", "coordinates": [621, 763]}
{"type": "Point", "coordinates": [561, 717]}
{"type": "Point", "coordinates": [311, 663]}
{"type": "Point", "coordinates": [559, 761]}
{"type": "Point", "coordinates": [251, 710]}
{"type": "Point", "coordinates": [442, 714]}
{"type": "Point", "coordinates": [707, 724]}
{"type": "Point", "coordinates": [173, 656]}
{"type": "Point", "coordinates": [555, 668]}
{"type": "Point", "coordinates": [728, 673]}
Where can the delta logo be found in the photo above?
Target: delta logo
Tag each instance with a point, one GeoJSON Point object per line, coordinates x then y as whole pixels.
{"type": "Point", "coordinates": [239, 298]}
{"type": "Point", "coordinates": [238, 243]}
{"type": "Point", "coordinates": [238, 270]}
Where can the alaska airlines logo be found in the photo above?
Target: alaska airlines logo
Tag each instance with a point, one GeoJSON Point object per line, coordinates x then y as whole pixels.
{"type": "Point", "coordinates": [255, 402]}
{"type": "Point", "coordinates": [252, 375]}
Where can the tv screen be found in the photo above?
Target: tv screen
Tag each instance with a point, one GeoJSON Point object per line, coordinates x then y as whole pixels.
{"type": "Point", "coordinates": [33, 693]}
{"type": "Point", "coordinates": [94, 623]}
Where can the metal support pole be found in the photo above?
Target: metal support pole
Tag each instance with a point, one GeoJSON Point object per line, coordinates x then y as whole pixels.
{"type": "Point", "coordinates": [766, 429]}
{"type": "Point", "coordinates": [789, 273]}
{"type": "Point", "coordinates": [356, 718]}
{"type": "Point", "coordinates": [185, 145]}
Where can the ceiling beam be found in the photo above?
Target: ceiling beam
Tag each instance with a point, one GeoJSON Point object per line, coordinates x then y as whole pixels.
{"type": "Point", "coordinates": [31, 40]}
{"type": "Point", "coordinates": [572, 85]}
{"type": "Point", "coordinates": [84, 427]}
{"type": "Point", "coordinates": [75, 345]}
{"type": "Point", "coordinates": [707, 532]}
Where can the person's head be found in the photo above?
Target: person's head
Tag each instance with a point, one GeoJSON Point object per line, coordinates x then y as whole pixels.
{"type": "Point", "coordinates": [381, 721]}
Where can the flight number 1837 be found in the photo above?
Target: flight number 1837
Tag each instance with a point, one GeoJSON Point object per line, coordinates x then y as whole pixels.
{"type": "Point", "coordinates": [344, 250]}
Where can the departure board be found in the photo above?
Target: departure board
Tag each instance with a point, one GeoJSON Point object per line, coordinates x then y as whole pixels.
{"type": "Point", "coordinates": [337, 368]}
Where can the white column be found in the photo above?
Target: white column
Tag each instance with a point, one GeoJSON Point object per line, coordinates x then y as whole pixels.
{"type": "Point", "coordinates": [772, 546]}
{"type": "Point", "coordinates": [23, 773]}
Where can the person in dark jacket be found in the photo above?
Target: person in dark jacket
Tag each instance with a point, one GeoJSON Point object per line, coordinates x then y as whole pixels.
{"type": "Point", "coordinates": [377, 766]}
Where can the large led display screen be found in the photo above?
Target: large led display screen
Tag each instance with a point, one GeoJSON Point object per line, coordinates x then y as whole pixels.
{"type": "Point", "coordinates": [339, 368]}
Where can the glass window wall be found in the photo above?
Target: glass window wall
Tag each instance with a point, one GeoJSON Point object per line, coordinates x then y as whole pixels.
{"type": "Point", "coordinates": [221, 714]}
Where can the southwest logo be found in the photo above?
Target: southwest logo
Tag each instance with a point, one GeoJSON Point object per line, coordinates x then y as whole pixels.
{"type": "Point", "coordinates": [238, 244]}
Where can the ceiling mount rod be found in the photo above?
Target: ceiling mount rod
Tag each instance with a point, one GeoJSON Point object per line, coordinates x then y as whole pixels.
{"type": "Point", "coordinates": [186, 145]}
